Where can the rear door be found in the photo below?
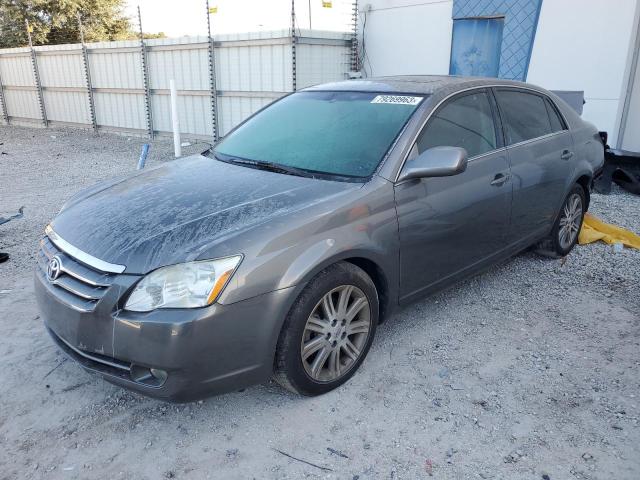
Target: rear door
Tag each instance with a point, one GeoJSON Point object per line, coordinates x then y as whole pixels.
{"type": "Point", "coordinates": [449, 225]}
{"type": "Point", "coordinates": [539, 146]}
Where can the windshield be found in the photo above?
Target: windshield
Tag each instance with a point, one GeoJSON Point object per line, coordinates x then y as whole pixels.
{"type": "Point", "coordinates": [336, 133]}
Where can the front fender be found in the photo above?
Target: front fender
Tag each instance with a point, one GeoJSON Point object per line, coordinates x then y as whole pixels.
{"type": "Point", "coordinates": [294, 251]}
{"type": "Point", "coordinates": [316, 259]}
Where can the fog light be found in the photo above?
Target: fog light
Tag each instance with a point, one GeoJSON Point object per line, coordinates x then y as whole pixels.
{"type": "Point", "coordinates": [154, 377]}
{"type": "Point", "coordinates": [159, 374]}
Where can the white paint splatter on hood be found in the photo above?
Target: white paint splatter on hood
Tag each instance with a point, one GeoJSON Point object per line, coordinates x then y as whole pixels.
{"type": "Point", "coordinates": [164, 215]}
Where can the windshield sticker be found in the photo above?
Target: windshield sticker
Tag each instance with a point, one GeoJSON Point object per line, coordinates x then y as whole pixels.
{"type": "Point", "coordinates": [397, 99]}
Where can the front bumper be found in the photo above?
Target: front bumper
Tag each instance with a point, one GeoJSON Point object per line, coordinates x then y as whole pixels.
{"type": "Point", "coordinates": [203, 351]}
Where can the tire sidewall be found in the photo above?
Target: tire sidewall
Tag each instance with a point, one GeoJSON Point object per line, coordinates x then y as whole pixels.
{"type": "Point", "coordinates": [288, 359]}
{"type": "Point", "coordinates": [555, 234]}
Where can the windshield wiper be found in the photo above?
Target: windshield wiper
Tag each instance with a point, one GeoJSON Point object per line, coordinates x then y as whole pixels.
{"type": "Point", "coordinates": [268, 166]}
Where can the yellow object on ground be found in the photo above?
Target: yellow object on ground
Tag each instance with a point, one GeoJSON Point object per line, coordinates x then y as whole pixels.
{"type": "Point", "coordinates": [594, 229]}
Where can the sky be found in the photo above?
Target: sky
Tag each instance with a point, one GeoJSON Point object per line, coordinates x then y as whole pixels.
{"type": "Point", "coordinates": [188, 17]}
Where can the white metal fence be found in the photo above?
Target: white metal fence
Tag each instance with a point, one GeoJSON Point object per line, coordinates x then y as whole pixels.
{"type": "Point", "coordinates": [122, 86]}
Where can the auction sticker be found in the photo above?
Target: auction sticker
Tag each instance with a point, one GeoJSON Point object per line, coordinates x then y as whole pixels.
{"type": "Point", "coordinates": [397, 99]}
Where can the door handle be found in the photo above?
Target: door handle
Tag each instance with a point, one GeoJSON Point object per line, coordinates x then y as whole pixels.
{"type": "Point", "coordinates": [566, 155]}
{"type": "Point", "coordinates": [499, 179]}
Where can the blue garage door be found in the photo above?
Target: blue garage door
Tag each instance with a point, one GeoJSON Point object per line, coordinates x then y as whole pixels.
{"type": "Point", "coordinates": [475, 48]}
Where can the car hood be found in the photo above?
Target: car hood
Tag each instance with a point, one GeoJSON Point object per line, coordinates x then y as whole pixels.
{"type": "Point", "coordinates": [171, 213]}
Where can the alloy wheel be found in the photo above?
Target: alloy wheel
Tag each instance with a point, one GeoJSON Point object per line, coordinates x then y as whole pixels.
{"type": "Point", "coordinates": [570, 221]}
{"type": "Point", "coordinates": [336, 333]}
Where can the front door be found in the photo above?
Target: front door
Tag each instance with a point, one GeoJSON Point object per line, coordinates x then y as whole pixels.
{"type": "Point", "coordinates": [449, 225]}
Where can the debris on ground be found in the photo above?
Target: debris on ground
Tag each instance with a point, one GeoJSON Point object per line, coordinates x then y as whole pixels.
{"type": "Point", "coordinates": [20, 214]}
{"type": "Point", "coordinates": [622, 168]}
{"type": "Point", "coordinates": [320, 467]}
{"type": "Point", "coordinates": [594, 229]}
{"type": "Point", "coordinates": [336, 452]}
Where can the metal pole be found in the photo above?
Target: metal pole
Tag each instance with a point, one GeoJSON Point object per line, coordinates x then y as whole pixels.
{"type": "Point", "coordinates": [293, 45]}
{"type": "Point", "coordinates": [87, 77]}
{"type": "Point", "coordinates": [36, 76]}
{"type": "Point", "coordinates": [143, 156]}
{"type": "Point", "coordinates": [212, 79]}
{"type": "Point", "coordinates": [175, 123]}
{"type": "Point", "coordinates": [355, 57]}
{"type": "Point", "coordinates": [309, 14]}
{"type": "Point", "coordinates": [145, 79]}
{"type": "Point", "coordinates": [3, 103]}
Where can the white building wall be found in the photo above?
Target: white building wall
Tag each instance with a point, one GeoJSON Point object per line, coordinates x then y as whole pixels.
{"type": "Point", "coordinates": [584, 45]}
{"type": "Point", "coordinates": [631, 140]}
{"type": "Point", "coordinates": [404, 37]}
{"type": "Point", "coordinates": [630, 131]}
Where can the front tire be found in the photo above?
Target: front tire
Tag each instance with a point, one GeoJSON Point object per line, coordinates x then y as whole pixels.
{"type": "Point", "coordinates": [328, 331]}
{"type": "Point", "coordinates": [564, 234]}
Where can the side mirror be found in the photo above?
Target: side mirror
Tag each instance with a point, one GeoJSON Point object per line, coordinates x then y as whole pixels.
{"type": "Point", "coordinates": [436, 162]}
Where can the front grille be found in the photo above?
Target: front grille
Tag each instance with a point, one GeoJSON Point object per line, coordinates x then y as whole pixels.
{"type": "Point", "coordinates": [78, 285]}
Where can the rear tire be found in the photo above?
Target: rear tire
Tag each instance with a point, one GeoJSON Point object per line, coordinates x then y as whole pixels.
{"type": "Point", "coordinates": [566, 228]}
{"type": "Point", "coordinates": [328, 331]}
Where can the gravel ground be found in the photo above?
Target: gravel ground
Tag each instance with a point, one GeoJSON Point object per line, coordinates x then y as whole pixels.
{"type": "Point", "coordinates": [529, 371]}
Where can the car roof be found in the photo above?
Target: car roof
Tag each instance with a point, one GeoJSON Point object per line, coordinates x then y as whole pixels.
{"type": "Point", "coordinates": [437, 88]}
{"type": "Point", "coordinates": [419, 84]}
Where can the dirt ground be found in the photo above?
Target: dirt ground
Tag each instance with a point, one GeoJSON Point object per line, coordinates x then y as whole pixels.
{"type": "Point", "coordinates": [529, 371]}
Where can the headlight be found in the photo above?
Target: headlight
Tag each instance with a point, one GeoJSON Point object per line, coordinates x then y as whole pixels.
{"type": "Point", "coordinates": [186, 285]}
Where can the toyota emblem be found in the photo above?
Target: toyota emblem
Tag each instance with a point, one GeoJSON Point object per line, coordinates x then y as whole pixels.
{"type": "Point", "coordinates": [53, 268]}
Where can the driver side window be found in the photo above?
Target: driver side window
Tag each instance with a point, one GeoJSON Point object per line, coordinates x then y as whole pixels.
{"type": "Point", "coordinates": [465, 121]}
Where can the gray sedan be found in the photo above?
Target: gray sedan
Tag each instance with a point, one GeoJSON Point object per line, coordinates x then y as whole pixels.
{"type": "Point", "coordinates": [278, 251]}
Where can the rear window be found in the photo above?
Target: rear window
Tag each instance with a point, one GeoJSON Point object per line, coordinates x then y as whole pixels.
{"type": "Point", "coordinates": [524, 115]}
{"type": "Point", "coordinates": [557, 124]}
{"type": "Point", "coordinates": [335, 133]}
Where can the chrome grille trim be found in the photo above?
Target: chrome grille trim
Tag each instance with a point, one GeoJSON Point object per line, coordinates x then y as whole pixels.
{"type": "Point", "coordinates": [77, 285]}
{"type": "Point", "coordinates": [79, 271]}
{"type": "Point", "coordinates": [78, 288]}
{"type": "Point", "coordinates": [76, 303]}
{"type": "Point", "coordinates": [83, 257]}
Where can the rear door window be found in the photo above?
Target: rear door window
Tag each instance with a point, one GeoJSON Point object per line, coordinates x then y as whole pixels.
{"type": "Point", "coordinates": [465, 121]}
{"type": "Point", "coordinates": [524, 115]}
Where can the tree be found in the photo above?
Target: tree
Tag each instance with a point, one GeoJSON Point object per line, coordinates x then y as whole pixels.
{"type": "Point", "coordinates": [56, 21]}
{"type": "Point", "coordinates": [152, 35]}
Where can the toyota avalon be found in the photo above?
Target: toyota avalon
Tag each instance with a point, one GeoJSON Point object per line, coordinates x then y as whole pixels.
{"type": "Point", "coordinates": [278, 252]}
